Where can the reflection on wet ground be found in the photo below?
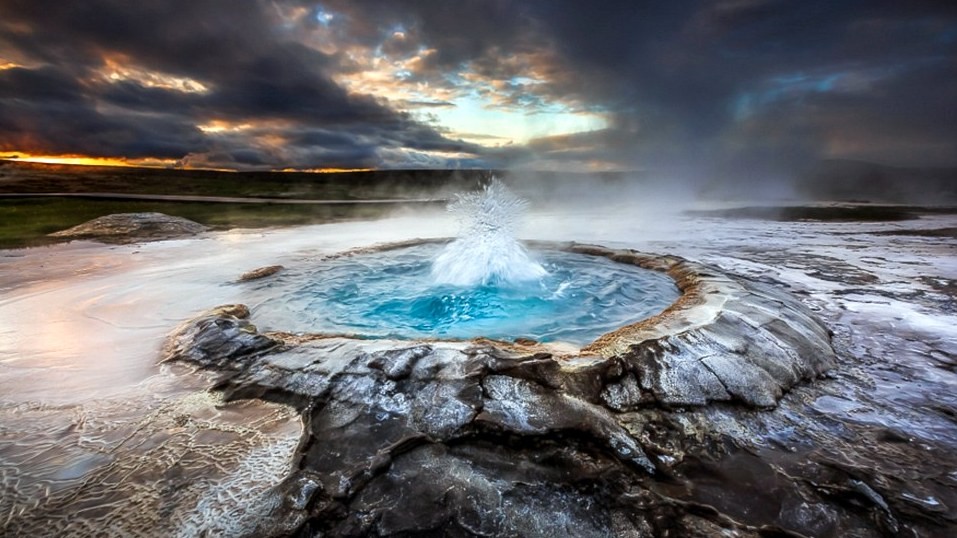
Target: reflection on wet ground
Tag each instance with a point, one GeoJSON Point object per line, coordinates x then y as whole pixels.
{"type": "Point", "coordinates": [92, 430]}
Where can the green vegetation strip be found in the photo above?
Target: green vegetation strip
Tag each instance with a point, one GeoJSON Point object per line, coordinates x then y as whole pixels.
{"type": "Point", "coordinates": [26, 222]}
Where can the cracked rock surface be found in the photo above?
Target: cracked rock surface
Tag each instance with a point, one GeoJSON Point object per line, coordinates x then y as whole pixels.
{"type": "Point", "coordinates": [486, 438]}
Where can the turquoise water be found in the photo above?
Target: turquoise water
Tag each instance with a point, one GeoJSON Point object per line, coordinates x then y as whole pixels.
{"type": "Point", "coordinates": [392, 294]}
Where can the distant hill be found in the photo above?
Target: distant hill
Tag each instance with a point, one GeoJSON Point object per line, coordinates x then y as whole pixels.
{"type": "Point", "coordinates": [846, 180]}
{"type": "Point", "coordinates": [26, 177]}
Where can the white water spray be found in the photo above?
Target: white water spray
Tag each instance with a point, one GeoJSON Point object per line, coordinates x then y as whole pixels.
{"type": "Point", "coordinates": [486, 251]}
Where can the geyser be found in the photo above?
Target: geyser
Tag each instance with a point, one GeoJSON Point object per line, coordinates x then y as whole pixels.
{"type": "Point", "coordinates": [405, 437]}
{"type": "Point", "coordinates": [484, 283]}
{"type": "Point", "coordinates": [486, 251]}
{"type": "Point", "coordinates": [391, 293]}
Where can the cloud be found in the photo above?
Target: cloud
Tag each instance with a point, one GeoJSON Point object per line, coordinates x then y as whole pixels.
{"type": "Point", "coordinates": [46, 108]}
{"type": "Point", "coordinates": [108, 78]}
{"type": "Point", "coordinates": [726, 87]}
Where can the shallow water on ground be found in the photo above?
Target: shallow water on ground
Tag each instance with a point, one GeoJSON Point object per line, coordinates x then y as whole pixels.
{"type": "Point", "coordinates": [81, 326]}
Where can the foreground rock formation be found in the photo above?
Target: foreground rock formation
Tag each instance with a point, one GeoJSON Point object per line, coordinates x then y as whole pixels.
{"type": "Point", "coordinates": [123, 228]}
{"type": "Point", "coordinates": [515, 439]}
{"type": "Point", "coordinates": [870, 449]}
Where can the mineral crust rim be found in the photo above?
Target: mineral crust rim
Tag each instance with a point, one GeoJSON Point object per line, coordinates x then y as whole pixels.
{"type": "Point", "coordinates": [724, 339]}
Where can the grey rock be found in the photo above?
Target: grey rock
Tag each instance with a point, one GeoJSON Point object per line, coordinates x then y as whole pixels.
{"type": "Point", "coordinates": [260, 273]}
{"type": "Point", "coordinates": [625, 395]}
{"type": "Point", "coordinates": [122, 228]}
{"type": "Point", "coordinates": [216, 338]}
{"type": "Point", "coordinates": [725, 338]}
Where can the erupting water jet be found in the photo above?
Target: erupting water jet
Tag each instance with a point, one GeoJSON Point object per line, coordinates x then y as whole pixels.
{"type": "Point", "coordinates": [486, 251]}
{"type": "Point", "coordinates": [484, 283]}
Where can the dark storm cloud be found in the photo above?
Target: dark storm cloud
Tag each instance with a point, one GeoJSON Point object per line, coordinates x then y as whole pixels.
{"type": "Point", "coordinates": [734, 87]}
{"type": "Point", "coordinates": [685, 71]}
{"type": "Point", "coordinates": [725, 86]}
{"type": "Point", "coordinates": [46, 107]}
{"type": "Point", "coordinates": [251, 71]}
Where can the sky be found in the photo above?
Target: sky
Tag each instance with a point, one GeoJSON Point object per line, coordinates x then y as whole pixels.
{"type": "Point", "coordinates": [746, 87]}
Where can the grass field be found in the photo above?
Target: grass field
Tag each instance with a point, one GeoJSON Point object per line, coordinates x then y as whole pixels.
{"type": "Point", "coordinates": [26, 222]}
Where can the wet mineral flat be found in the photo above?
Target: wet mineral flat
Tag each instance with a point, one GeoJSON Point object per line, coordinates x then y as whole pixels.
{"type": "Point", "coordinates": [96, 437]}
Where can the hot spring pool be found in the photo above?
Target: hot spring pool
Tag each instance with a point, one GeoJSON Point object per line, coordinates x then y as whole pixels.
{"type": "Point", "coordinates": [392, 294]}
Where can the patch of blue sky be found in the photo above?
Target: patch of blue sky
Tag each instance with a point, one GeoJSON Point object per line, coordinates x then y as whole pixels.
{"type": "Point", "coordinates": [473, 115]}
{"type": "Point", "coordinates": [522, 81]}
{"type": "Point", "coordinates": [323, 17]}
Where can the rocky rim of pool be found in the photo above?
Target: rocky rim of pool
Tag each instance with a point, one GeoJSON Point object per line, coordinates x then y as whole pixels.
{"type": "Point", "coordinates": [513, 438]}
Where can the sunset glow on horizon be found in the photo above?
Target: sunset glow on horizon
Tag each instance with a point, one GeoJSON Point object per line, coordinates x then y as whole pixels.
{"type": "Point", "coordinates": [80, 160]}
